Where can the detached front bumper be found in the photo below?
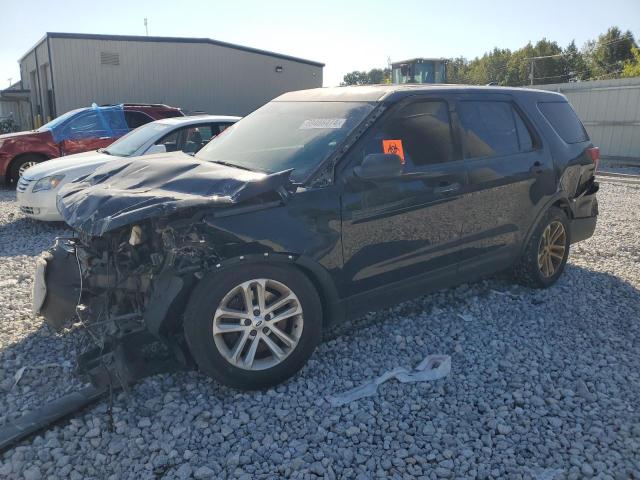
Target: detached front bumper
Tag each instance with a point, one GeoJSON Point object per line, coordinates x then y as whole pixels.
{"type": "Point", "coordinates": [57, 284]}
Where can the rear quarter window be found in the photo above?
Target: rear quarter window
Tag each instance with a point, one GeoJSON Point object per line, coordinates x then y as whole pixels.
{"type": "Point", "coordinates": [564, 121]}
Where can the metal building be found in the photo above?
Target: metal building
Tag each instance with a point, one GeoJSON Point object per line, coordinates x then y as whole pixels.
{"type": "Point", "coordinates": [64, 71]}
{"type": "Point", "coordinates": [610, 111]}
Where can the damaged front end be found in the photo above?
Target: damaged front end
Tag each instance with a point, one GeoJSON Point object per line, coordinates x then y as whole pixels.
{"type": "Point", "coordinates": [126, 290]}
{"type": "Point", "coordinates": [141, 247]}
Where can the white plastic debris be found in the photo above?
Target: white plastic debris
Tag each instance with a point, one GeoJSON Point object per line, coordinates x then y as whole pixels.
{"type": "Point", "coordinates": [433, 367]}
{"type": "Point", "coordinates": [20, 372]}
{"type": "Point", "coordinates": [466, 317]}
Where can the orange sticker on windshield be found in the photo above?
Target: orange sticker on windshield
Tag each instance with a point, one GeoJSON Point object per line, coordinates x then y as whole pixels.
{"type": "Point", "coordinates": [395, 147]}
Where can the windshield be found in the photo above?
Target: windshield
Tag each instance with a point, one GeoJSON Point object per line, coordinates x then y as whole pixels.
{"type": "Point", "coordinates": [130, 143]}
{"type": "Point", "coordinates": [59, 120]}
{"type": "Point", "coordinates": [284, 135]}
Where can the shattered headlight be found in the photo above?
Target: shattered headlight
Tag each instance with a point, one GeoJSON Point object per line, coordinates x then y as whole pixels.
{"type": "Point", "coordinates": [47, 183]}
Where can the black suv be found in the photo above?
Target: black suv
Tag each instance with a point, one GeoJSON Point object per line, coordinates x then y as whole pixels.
{"type": "Point", "coordinates": [321, 205]}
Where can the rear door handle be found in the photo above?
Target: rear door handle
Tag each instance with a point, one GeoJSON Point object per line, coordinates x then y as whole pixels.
{"type": "Point", "coordinates": [448, 188]}
{"type": "Point", "coordinates": [537, 167]}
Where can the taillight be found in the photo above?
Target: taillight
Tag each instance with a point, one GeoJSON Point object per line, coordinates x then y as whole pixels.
{"type": "Point", "coordinates": [594, 153]}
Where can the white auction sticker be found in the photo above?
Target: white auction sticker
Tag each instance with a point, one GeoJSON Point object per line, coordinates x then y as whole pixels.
{"type": "Point", "coordinates": [323, 123]}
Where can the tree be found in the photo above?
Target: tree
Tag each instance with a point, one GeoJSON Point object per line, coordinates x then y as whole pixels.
{"type": "Point", "coordinates": [611, 51]}
{"type": "Point", "coordinates": [372, 77]}
{"type": "Point", "coordinates": [457, 70]}
{"type": "Point", "coordinates": [575, 64]}
{"type": "Point", "coordinates": [632, 67]}
{"type": "Point", "coordinates": [613, 54]}
{"type": "Point", "coordinates": [355, 78]}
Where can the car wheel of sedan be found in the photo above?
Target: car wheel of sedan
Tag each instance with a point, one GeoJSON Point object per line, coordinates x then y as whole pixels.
{"type": "Point", "coordinates": [21, 165]}
{"type": "Point", "coordinates": [253, 327]}
{"type": "Point", "coordinates": [546, 253]}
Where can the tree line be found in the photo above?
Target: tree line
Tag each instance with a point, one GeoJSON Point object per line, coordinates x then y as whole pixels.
{"type": "Point", "coordinates": [613, 54]}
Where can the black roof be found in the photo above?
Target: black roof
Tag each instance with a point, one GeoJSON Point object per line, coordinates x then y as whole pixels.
{"type": "Point", "coordinates": [142, 38]}
{"type": "Point", "coordinates": [377, 93]}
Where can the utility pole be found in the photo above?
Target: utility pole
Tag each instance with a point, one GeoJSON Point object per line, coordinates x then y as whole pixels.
{"type": "Point", "coordinates": [145, 26]}
{"type": "Point", "coordinates": [531, 74]}
{"type": "Point", "coordinates": [10, 78]}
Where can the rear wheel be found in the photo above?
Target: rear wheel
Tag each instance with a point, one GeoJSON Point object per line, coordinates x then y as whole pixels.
{"type": "Point", "coordinates": [546, 253]}
{"type": "Point", "coordinates": [253, 327]}
{"type": "Point", "coordinates": [21, 164]}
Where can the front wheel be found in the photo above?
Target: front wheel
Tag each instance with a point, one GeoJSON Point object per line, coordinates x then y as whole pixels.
{"type": "Point", "coordinates": [20, 165]}
{"type": "Point", "coordinates": [546, 254]}
{"type": "Point", "coordinates": [253, 327]}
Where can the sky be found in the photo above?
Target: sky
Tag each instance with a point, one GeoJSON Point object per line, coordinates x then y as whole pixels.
{"type": "Point", "coordinates": [346, 35]}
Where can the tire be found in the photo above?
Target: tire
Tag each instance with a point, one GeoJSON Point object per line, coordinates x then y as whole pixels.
{"type": "Point", "coordinates": [18, 164]}
{"type": "Point", "coordinates": [531, 272]}
{"type": "Point", "coordinates": [214, 354]}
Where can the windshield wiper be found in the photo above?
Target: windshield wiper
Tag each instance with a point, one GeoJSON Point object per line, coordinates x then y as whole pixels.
{"type": "Point", "coordinates": [235, 166]}
{"type": "Point", "coordinates": [103, 150]}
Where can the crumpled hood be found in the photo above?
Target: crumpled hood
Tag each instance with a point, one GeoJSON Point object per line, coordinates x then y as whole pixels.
{"type": "Point", "coordinates": [125, 191]}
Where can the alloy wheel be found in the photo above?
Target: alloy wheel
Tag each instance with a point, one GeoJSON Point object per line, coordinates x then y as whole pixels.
{"type": "Point", "coordinates": [552, 248]}
{"type": "Point", "coordinates": [258, 324]}
{"type": "Point", "coordinates": [24, 167]}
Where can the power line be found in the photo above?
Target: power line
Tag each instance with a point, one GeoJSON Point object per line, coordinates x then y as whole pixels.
{"type": "Point", "coordinates": [621, 39]}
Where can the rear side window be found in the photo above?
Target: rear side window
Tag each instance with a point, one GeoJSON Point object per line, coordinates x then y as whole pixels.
{"type": "Point", "coordinates": [492, 129]}
{"type": "Point", "coordinates": [564, 121]}
{"type": "Point", "coordinates": [136, 119]}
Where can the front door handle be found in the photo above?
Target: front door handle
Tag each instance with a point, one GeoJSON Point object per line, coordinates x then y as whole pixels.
{"type": "Point", "coordinates": [448, 188]}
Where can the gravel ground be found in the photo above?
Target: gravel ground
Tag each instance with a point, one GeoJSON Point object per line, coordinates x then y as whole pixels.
{"type": "Point", "coordinates": [544, 384]}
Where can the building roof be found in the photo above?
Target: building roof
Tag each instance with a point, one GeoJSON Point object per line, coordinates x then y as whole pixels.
{"type": "Point", "coordinates": [142, 38]}
{"type": "Point", "coordinates": [377, 93]}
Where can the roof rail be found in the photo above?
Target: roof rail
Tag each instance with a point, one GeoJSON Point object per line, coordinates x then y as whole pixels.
{"type": "Point", "coordinates": [138, 104]}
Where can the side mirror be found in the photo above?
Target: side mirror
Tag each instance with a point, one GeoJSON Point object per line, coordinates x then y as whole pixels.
{"type": "Point", "coordinates": [379, 166]}
{"type": "Point", "coordinates": [156, 149]}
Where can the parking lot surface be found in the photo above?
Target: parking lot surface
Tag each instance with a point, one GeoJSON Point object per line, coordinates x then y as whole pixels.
{"type": "Point", "coordinates": [545, 384]}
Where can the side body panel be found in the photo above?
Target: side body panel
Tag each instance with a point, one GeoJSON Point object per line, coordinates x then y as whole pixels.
{"type": "Point", "coordinates": [505, 194]}
{"type": "Point", "coordinates": [13, 145]}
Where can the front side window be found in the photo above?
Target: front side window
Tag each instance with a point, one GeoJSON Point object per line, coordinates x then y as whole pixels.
{"type": "Point", "coordinates": [197, 137]}
{"type": "Point", "coordinates": [420, 133]}
{"type": "Point", "coordinates": [284, 135]}
{"type": "Point", "coordinates": [84, 125]}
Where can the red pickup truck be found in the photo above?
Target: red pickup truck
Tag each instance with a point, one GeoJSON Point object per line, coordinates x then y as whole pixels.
{"type": "Point", "coordinates": [76, 131]}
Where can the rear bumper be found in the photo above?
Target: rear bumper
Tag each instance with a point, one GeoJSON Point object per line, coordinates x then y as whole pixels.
{"type": "Point", "coordinates": [582, 228]}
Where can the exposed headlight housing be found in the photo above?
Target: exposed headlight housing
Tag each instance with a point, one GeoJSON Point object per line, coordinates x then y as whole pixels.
{"type": "Point", "coordinates": [47, 183]}
{"type": "Point", "coordinates": [137, 236]}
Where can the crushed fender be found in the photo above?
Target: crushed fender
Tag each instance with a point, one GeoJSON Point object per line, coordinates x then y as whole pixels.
{"type": "Point", "coordinates": [433, 367]}
{"type": "Point", "coordinates": [126, 191]}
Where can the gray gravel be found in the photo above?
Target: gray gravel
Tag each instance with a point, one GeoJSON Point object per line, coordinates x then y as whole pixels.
{"type": "Point", "coordinates": [544, 384]}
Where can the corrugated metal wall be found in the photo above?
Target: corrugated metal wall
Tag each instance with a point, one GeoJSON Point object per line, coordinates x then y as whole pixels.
{"type": "Point", "coordinates": [610, 111]}
{"type": "Point", "coordinates": [193, 76]}
{"type": "Point", "coordinates": [35, 73]}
